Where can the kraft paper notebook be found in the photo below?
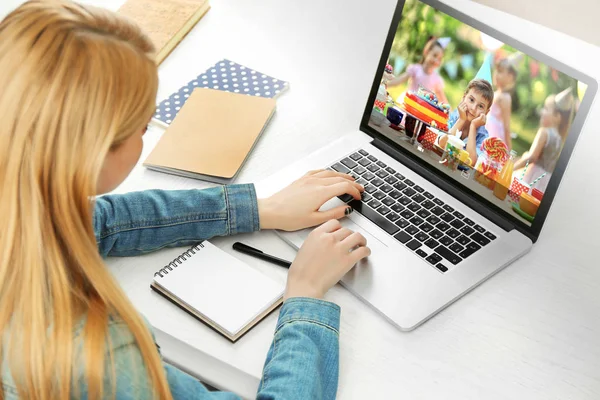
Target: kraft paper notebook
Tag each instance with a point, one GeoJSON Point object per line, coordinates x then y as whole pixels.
{"type": "Point", "coordinates": [212, 135]}
{"type": "Point", "coordinates": [166, 22]}
{"type": "Point", "coordinates": [213, 286]}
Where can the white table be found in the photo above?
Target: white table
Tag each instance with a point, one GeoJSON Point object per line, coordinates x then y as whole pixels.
{"type": "Point", "coordinates": [528, 333]}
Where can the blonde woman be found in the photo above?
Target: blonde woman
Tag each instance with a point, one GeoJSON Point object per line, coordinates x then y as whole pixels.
{"type": "Point", "coordinates": [78, 86]}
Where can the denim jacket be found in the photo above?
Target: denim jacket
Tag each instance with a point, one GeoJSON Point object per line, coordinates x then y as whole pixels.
{"type": "Point", "coordinates": [303, 360]}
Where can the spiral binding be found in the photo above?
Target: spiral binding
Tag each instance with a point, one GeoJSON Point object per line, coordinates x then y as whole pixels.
{"type": "Point", "coordinates": [179, 260]}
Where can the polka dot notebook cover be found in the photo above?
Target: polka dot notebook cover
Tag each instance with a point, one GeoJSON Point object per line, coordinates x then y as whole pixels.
{"type": "Point", "coordinates": [225, 75]}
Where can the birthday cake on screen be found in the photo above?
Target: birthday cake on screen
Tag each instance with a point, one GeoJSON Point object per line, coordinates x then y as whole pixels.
{"type": "Point", "coordinates": [424, 105]}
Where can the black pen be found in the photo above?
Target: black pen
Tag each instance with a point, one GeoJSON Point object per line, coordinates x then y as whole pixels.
{"type": "Point", "coordinates": [251, 251]}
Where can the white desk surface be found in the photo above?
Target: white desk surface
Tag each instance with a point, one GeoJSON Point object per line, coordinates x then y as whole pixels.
{"type": "Point", "coordinates": [531, 332]}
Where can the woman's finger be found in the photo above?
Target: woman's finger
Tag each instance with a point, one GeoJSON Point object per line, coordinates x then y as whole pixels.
{"type": "Point", "coordinates": [342, 234]}
{"type": "Point", "coordinates": [331, 225]}
{"type": "Point", "coordinates": [353, 240]}
{"type": "Point", "coordinates": [341, 188]}
{"type": "Point", "coordinates": [327, 173]}
{"type": "Point", "coordinates": [336, 179]}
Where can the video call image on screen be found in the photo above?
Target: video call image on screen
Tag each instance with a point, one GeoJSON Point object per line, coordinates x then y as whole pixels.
{"type": "Point", "coordinates": [487, 115]}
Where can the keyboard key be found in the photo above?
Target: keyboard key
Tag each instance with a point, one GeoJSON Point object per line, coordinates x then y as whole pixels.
{"type": "Point", "coordinates": [392, 216]}
{"type": "Point", "coordinates": [442, 226]}
{"type": "Point", "coordinates": [433, 220]}
{"type": "Point", "coordinates": [400, 186]}
{"type": "Point", "coordinates": [372, 158]}
{"type": "Point", "coordinates": [421, 237]}
{"type": "Point", "coordinates": [479, 238]}
{"type": "Point", "coordinates": [363, 152]}
{"type": "Point", "coordinates": [432, 244]}
{"type": "Point", "coordinates": [438, 202]}
{"type": "Point", "coordinates": [437, 210]}
{"type": "Point", "coordinates": [414, 207]}
{"type": "Point", "coordinates": [411, 229]}
{"type": "Point", "coordinates": [390, 179]}
{"type": "Point", "coordinates": [469, 250]}
{"type": "Point", "coordinates": [462, 239]}
{"type": "Point", "coordinates": [385, 188]}
{"type": "Point", "coordinates": [455, 247]}
{"type": "Point", "coordinates": [448, 255]}
{"type": "Point", "coordinates": [399, 176]}
{"type": "Point", "coordinates": [377, 182]}
{"type": "Point", "coordinates": [467, 230]}
{"type": "Point", "coordinates": [379, 195]}
{"type": "Point", "coordinates": [383, 210]}
{"type": "Point", "coordinates": [345, 197]}
{"type": "Point", "coordinates": [446, 241]}
{"type": "Point", "coordinates": [418, 198]}
{"type": "Point", "coordinates": [360, 170]}
{"type": "Point", "coordinates": [373, 167]}
{"type": "Point", "coordinates": [356, 156]}
{"type": "Point", "coordinates": [428, 195]}
{"type": "Point", "coordinates": [394, 194]}
{"type": "Point", "coordinates": [361, 181]}
{"type": "Point", "coordinates": [458, 215]}
{"type": "Point", "coordinates": [416, 221]}
{"type": "Point", "coordinates": [375, 217]}
{"type": "Point", "coordinates": [381, 164]}
{"type": "Point", "coordinates": [457, 223]}
{"type": "Point", "coordinates": [409, 182]}
{"type": "Point", "coordinates": [390, 170]}
{"type": "Point", "coordinates": [448, 208]}
{"type": "Point", "coordinates": [479, 228]}
{"type": "Point", "coordinates": [388, 201]}
{"type": "Point", "coordinates": [368, 176]}
{"type": "Point", "coordinates": [374, 204]}
{"type": "Point", "coordinates": [447, 217]}
{"type": "Point", "coordinates": [402, 223]}
{"type": "Point", "coordinates": [348, 162]}
{"type": "Point", "coordinates": [428, 204]}
{"type": "Point", "coordinates": [434, 258]}
{"type": "Point", "coordinates": [397, 208]}
{"type": "Point", "coordinates": [408, 191]}
{"type": "Point", "coordinates": [382, 174]}
{"type": "Point", "coordinates": [407, 214]}
{"type": "Point", "coordinates": [402, 237]}
{"type": "Point", "coordinates": [468, 221]}
{"type": "Point", "coordinates": [413, 244]}
{"type": "Point", "coordinates": [340, 168]}
{"type": "Point", "coordinates": [419, 189]}
{"type": "Point", "coordinates": [423, 213]}
{"type": "Point", "coordinates": [370, 188]}
{"type": "Point", "coordinates": [441, 267]}
{"type": "Point", "coordinates": [404, 200]}
{"type": "Point", "coordinates": [421, 253]}
{"type": "Point", "coordinates": [364, 162]}
{"type": "Point", "coordinates": [490, 235]}
{"type": "Point", "coordinates": [426, 227]}
{"type": "Point", "coordinates": [453, 233]}
{"type": "Point", "coordinates": [436, 234]}
{"type": "Point", "coordinates": [366, 197]}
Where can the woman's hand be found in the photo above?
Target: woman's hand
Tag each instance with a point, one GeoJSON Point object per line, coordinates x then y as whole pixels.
{"type": "Point", "coordinates": [296, 206]}
{"type": "Point", "coordinates": [326, 255]}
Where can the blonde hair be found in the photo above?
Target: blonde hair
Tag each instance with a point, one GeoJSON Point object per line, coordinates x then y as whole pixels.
{"type": "Point", "coordinates": [76, 82]}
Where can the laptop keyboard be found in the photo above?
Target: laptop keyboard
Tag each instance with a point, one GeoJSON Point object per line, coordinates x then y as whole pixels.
{"type": "Point", "coordinates": [416, 218]}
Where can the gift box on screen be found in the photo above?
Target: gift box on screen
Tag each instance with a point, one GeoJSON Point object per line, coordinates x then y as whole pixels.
{"type": "Point", "coordinates": [516, 188]}
{"type": "Point", "coordinates": [428, 140]}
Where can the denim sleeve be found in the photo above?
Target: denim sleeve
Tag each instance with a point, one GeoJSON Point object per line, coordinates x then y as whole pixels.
{"type": "Point", "coordinates": [140, 222]}
{"type": "Point", "coordinates": [303, 360]}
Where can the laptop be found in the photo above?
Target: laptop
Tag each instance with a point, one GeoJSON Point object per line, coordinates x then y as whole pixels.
{"type": "Point", "coordinates": [439, 223]}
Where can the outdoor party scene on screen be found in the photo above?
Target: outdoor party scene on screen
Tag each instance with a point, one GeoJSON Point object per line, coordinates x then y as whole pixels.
{"type": "Point", "coordinates": [493, 118]}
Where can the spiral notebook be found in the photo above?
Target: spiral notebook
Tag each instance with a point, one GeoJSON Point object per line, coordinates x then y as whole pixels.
{"type": "Point", "coordinates": [213, 286]}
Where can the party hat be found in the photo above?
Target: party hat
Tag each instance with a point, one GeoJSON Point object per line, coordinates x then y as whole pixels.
{"type": "Point", "coordinates": [564, 100]}
{"type": "Point", "coordinates": [514, 59]}
{"type": "Point", "coordinates": [444, 42]}
{"type": "Point", "coordinates": [485, 71]}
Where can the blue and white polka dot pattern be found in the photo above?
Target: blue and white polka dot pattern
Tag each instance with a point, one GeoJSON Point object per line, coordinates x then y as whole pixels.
{"type": "Point", "coordinates": [225, 75]}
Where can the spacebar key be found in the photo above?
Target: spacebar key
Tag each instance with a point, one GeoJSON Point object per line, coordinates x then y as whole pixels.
{"type": "Point", "coordinates": [374, 216]}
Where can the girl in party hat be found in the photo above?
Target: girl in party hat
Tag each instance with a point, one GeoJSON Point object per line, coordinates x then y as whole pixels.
{"type": "Point", "coordinates": [541, 158]}
{"type": "Point", "coordinates": [425, 73]}
{"type": "Point", "coordinates": [505, 78]}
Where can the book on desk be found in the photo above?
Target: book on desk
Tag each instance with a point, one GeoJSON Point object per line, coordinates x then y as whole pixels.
{"type": "Point", "coordinates": [212, 135]}
{"type": "Point", "coordinates": [216, 288]}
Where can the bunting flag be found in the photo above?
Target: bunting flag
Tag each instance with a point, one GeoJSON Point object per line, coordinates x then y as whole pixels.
{"type": "Point", "coordinates": [555, 75]}
{"type": "Point", "coordinates": [534, 68]}
{"type": "Point", "coordinates": [466, 61]}
{"type": "Point", "coordinates": [451, 68]}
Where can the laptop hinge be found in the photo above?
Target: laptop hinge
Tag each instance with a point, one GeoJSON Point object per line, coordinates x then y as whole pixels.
{"type": "Point", "coordinates": [446, 186]}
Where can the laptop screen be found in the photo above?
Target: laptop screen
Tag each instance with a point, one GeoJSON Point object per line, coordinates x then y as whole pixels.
{"type": "Point", "coordinates": [491, 117]}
